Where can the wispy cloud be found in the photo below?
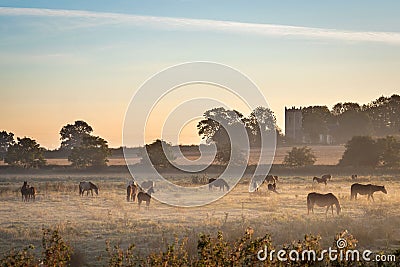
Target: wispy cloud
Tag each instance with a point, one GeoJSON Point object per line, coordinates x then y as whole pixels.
{"type": "Point", "coordinates": [211, 25]}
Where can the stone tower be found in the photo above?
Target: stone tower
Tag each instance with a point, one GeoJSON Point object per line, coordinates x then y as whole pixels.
{"type": "Point", "coordinates": [294, 125]}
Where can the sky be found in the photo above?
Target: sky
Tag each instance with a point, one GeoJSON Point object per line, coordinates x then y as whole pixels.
{"type": "Point", "coordinates": [62, 61]}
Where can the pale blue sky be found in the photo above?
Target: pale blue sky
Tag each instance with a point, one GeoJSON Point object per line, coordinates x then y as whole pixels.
{"type": "Point", "coordinates": [59, 64]}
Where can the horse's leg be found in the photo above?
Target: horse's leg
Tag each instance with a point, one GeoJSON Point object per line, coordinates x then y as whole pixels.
{"type": "Point", "coordinates": [332, 208]}
{"type": "Point", "coordinates": [372, 196]}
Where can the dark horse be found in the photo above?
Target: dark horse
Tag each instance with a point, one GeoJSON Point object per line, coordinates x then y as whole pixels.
{"type": "Point", "coordinates": [322, 200]}
{"type": "Point", "coordinates": [326, 176]}
{"type": "Point", "coordinates": [221, 183]}
{"type": "Point", "coordinates": [88, 186]}
{"type": "Point", "coordinates": [320, 180]}
{"type": "Point", "coordinates": [367, 189]}
{"type": "Point", "coordinates": [28, 192]}
{"type": "Point", "coordinates": [131, 192]}
{"type": "Point", "coordinates": [142, 196]}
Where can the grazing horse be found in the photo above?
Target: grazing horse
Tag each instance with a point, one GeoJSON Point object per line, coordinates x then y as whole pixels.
{"type": "Point", "coordinates": [131, 191]}
{"type": "Point", "coordinates": [326, 176]}
{"type": "Point", "coordinates": [221, 183]}
{"type": "Point", "coordinates": [322, 200]}
{"type": "Point", "coordinates": [367, 189]}
{"type": "Point", "coordinates": [319, 180]}
{"type": "Point", "coordinates": [142, 196]}
{"type": "Point", "coordinates": [87, 186]}
{"type": "Point", "coordinates": [354, 177]}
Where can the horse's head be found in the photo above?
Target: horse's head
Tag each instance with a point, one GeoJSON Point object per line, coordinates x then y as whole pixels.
{"type": "Point", "coordinates": [338, 208]}
{"type": "Point", "coordinates": [96, 190]}
{"type": "Point", "coordinates": [383, 189]}
{"type": "Point", "coordinates": [150, 191]}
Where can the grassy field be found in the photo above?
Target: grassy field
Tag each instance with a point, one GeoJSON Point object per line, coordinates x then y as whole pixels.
{"type": "Point", "coordinates": [88, 222]}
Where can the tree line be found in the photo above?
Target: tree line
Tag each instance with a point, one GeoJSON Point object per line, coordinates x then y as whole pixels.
{"type": "Point", "coordinates": [77, 143]}
{"type": "Point", "coordinates": [379, 118]}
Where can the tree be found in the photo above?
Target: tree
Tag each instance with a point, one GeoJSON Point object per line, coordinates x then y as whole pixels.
{"type": "Point", "coordinates": [26, 152]}
{"type": "Point", "coordinates": [361, 151]}
{"type": "Point", "coordinates": [158, 152]}
{"type": "Point", "coordinates": [389, 149]}
{"type": "Point", "coordinates": [6, 140]}
{"type": "Point", "coordinates": [300, 156]}
{"type": "Point", "coordinates": [73, 134]}
{"type": "Point", "coordinates": [92, 151]}
{"type": "Point", "coordinates": [261, 121]}
{"type": "Point", "coordinates": [351, 120]}
{"type": "Point", "coordinates": [315, 121]}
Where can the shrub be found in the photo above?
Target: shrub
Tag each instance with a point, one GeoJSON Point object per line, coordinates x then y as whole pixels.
{"type": "Point", "coordinates": [298, 157]}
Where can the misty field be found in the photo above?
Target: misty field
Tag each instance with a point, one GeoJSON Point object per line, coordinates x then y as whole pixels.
{"type": "Point", "coordinates": [88, 222]}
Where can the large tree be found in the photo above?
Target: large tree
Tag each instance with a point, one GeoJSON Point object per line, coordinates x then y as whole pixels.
{"type": "Point", "coordinates": [83, 149]}
{"type": "Point", "coordinates": [6, 140]}
{"type": "Point", "coordinates": [261, 122]}
{"type": "Point", "coordinates": [26, 152]}
{"type": "Point", "coordinates": [159, 152]}
{"type": "Point", "coordinates": [73, 134]}
{"type": "Point", "coordinates": [92, 151]}
{"type": "Point", "coordinates": [361, 151]}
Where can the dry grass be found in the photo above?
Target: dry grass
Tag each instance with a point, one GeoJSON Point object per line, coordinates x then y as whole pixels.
{"type": "Point", "coordinates": [87, 222]}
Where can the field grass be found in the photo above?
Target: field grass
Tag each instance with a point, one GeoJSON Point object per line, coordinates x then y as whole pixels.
{"type": "Point", "coordinates": [88, 222]}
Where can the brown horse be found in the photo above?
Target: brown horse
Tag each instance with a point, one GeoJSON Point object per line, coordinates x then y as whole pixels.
{"type": "Point", "coordinates": [326, 176]}
{"type": "Point", "coordinates": [87, 186]}
{"type": "Point", "coordinates": [131, 191]}
{"type": "Point", "coordinates": [142, 196]}
{"type": "Point", "coordinates": [368, 189]}
{"type": "Point", "coordinates": [322, 200]}
{"type": "Point", "coordinates": [354, 177]}
{"type": "Point", "coordinates": [319, 180]}
{"type": "Point", "coordinates": [32, 193]}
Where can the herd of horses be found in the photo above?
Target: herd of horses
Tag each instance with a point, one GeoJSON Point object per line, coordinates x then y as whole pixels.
{"type": "Point", "coordinates": [146, 189]}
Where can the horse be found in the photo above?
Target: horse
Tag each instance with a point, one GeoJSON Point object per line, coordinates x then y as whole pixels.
{"type": "Point", "coordinates": [221, 183]}
{"type": "Point", "coordinates": [319, 180]}
{"type": "Point", "coordinates": [354, 177]}
{"type": "Point", "coordinates": [142, 196]}
{"type": "Point", "coordinates": [131, 191]}
{"type": "Point", "coordinates": [87, 186]}
{"type": "Point", "coordinates": [326, 176]}
{"type": "Point", "coordinates": [368, 189]}
{"type": "Point", "coordinates": [272, 187]}
{"type": "Point", "coordinates": [24, 191]}
{"type": "Point", "coordinates": [31, 193]}
{"type": "Point", "coordinates": [270, 179]}
{"type": "Point", "coordinates": [322, 200]}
